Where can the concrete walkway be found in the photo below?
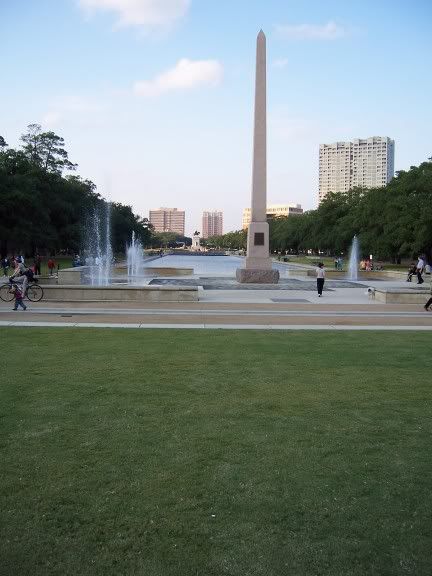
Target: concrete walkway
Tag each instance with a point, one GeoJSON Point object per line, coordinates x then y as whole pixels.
{"type": "Point", "coordinates": [338, 309]}
{"type": "Point", "coordinates": [225, 315]}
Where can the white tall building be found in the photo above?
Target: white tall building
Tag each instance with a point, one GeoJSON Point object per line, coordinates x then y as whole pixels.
{"type": "Point", "coordinates": [272, 211]}
{"type": "Point", "coordinates": [365, 163]}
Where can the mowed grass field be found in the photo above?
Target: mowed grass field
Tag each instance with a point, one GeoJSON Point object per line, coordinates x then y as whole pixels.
{"type": "Point", "coordinates": [193, 452]}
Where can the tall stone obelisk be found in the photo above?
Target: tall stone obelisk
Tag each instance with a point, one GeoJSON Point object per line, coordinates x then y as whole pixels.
{"type": "Point", "coordinates": [258, 268]}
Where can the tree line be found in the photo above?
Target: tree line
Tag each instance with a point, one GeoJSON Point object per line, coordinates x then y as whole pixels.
{"type": "Point", "coordinates": [392, 222]}
{"type": "Point", "coordinates": [44, 210]}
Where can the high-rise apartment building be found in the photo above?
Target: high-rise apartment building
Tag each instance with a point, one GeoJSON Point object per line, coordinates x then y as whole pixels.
{"type": "Point", "coordinates": [365, 163]}
{"type": "Point", "coordinates": [272, 211]}
{"type": "Point", "coordinates": [168, 220]}
{"type": "Point", "coordinates": [212, 224]}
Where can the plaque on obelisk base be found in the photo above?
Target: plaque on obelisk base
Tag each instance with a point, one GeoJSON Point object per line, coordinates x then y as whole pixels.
{"type": "Point", "coordinates": [258, 268]}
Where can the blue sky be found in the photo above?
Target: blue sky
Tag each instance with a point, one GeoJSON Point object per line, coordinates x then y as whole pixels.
{"type": "Point", "coordinates": [155, 97]}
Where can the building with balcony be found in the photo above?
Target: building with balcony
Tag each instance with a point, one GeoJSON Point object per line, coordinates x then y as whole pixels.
{"type": "Point", "coordinates": [367, 163]}
{"type": "Point", "coordinates": [168, 220]}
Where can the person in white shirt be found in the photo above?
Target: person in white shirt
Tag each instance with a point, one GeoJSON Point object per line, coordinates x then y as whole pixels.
{"type": "Point", "coordinates": [420, 268]}
{"type": "Point", "coordinates": [320, 272]}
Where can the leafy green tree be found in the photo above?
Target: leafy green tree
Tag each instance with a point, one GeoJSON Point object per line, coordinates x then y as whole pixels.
{"type": "Point", "coordinates": [40, 210]}
{"type": "Point", "coordinates": [235, 240]}
{"type": "Point", "coordinates": [46, 150]}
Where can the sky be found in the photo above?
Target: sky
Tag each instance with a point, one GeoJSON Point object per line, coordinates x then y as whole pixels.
{"type": "Point", "coordinates": [154, 98]}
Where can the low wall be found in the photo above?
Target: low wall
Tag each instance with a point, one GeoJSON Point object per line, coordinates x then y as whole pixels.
{"type": "Point", "coordinates": [77, 276]}
{"type": "Point", "coordinates": [165, 271]}
{"type": "Point", "coordinates": [73, 293]}
{"type": "Point", "coordinates": [300, 272]}
{"type": "Point", "coordinates": [46, 279]}
{"type": "Point", "coordinates": [72, 276]}
{"type": "Point", "coordinates": [363, 275]}
{"type": "Point", "coordinates": [401, 296]}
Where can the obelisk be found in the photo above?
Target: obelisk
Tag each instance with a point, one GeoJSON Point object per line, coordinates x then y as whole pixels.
{"type": "Point", "coordinates": [258, 267]}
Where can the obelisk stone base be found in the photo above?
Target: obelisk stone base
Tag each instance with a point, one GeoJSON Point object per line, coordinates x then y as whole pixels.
{"type": "Point", "coordinates": [257, 276]}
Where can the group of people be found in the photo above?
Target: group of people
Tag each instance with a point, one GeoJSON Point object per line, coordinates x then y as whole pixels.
{"type": "Point", "coordinates": [7, 263]}
{"type": "Point", "coordinates": [19, 279]}
{"type": "Point", "coordinates": [418, 270]}
{"type": "Point", "coordinates": [22, 275]}
{"type": "Point", "coordinates": [415, 269]}
{"type": "Point", "coordinates": [368, 265]}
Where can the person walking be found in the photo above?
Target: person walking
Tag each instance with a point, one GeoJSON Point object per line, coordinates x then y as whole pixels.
{"type": "Point", "coordinates": [429, 302]}
{"type": "Point", "coordinates": [320, 272]}
{"type": "Point", "coordinates": [18, 295]}
{"type": "Point", "coordinates": [51, 266]}
{"type": "Point", "coordinates": [420, 269]}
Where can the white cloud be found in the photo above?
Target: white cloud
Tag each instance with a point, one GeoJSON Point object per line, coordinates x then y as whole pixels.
{"type": "Point", "coordinates": [280, 63]}
{"type": "Point", "coordinates": [186, 74]}
{"type": "Point", "coordinates": [145, 13]}
{"type": "Point", "coordinates": [329, 31]}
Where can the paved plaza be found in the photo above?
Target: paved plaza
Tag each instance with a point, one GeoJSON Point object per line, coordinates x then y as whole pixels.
{"type": "Point", "coordinates": [294, 304]}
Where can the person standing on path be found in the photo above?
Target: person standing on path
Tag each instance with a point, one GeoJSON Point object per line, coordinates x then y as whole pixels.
{"type": "Point", "coordinates": [37, 264]}
{"type": "Point", "coordinates": [320, 272]}
{"type": "Point", "coordinates": [420, 268]}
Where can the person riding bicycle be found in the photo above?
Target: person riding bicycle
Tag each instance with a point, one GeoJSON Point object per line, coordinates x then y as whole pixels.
{"type": "Point", "coordinates": [20, 276]}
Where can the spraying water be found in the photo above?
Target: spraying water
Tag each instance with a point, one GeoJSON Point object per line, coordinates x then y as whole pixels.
{"type": "Point", "coordinates": [98, 249]}
{"type": "Point", "coordinates": [353, 264]}
{"type": "Point", "coordinates": [135, 259]}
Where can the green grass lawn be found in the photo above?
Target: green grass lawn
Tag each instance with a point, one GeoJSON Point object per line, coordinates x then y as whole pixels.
{"type": "Point", "coordinates": [177, 453]}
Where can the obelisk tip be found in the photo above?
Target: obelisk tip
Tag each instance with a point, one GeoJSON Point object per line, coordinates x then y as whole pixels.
{"type": "Point", "coordinates": [261, 34]}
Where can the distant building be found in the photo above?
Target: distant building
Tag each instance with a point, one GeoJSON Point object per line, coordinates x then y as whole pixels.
{"type": "Point", "coordinates": [365, 163]}
{"type": "Point", "coordinates": [212, 224]}
{"type": "Point", "coordinates": [272, 211]}
{"type": "Point", "coordinates": [168, 220]}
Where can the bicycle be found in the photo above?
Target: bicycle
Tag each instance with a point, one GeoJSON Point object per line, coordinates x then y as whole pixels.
{"type": "Point", "coordinates": [34, 292]}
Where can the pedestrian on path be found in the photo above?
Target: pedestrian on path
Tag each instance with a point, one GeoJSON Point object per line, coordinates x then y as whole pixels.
{"type": "Point", "coordinates": [18, 295]}
{"type": "Point", "coordinates": [37, 264]}
{"type": "Point", "coordinates": [429, 302]}
{"type": "Point", "coordinates": [420, 269]}
{"type": "Point", "coordinates": [320, 272]}
{"type": "Point", "coordinates": [51, 266]}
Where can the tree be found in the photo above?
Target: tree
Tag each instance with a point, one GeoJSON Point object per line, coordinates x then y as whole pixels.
{"type": "Point", "coordinates": [3, 143]}
{"type": "Point", "coordinates": [231, 240]}
{"type": "Point", "coordinates": [42, 210]}
{"type": "Point", "coordinates": [45, 150]}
